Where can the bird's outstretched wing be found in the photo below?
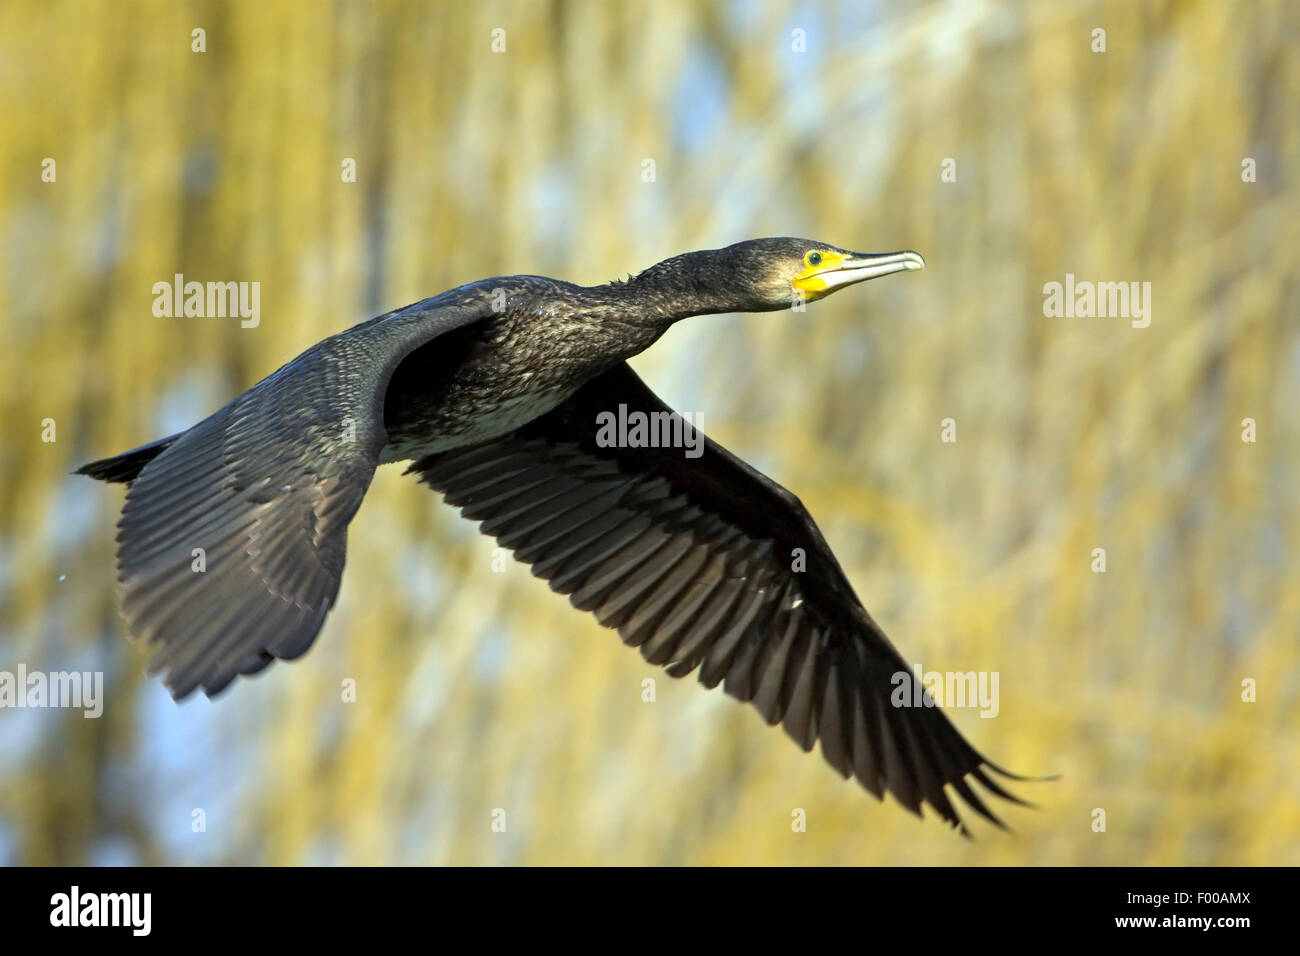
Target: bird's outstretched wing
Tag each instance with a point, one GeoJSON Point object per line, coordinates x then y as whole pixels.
{"type": "Point", "coordinates": [691, 559]}
{"type": "Point", "coordinates": [231, 543]}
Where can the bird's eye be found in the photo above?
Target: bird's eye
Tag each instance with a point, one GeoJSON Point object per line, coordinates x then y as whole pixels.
{"type": "Point", "coordinates": [814, 258]}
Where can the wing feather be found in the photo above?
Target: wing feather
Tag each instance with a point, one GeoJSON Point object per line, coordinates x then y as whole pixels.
{"type": "Point", "coordinates": [232, 541]}
{"type": "Point", "coordinates": [684, 559]}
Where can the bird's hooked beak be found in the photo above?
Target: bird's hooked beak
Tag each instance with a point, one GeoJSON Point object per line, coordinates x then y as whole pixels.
{"type": "Point", "coordinates": [838, 269]}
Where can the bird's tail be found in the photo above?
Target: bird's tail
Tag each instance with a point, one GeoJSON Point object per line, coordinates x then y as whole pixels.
{"type": "Point", "coordinates": [127, 466]}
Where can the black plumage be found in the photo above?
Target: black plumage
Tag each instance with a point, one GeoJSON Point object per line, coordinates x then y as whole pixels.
{"type": "Point", "coordinates": [494, 389]}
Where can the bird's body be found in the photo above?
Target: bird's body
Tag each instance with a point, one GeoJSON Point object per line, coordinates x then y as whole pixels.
{"type": "Point", "coordinates": [541, 340]}
{"type": "Point", "coordinates": [232, 541]}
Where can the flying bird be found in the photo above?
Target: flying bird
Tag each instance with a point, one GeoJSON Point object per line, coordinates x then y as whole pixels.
{"type": "Point", "coordinates": [493, 391]}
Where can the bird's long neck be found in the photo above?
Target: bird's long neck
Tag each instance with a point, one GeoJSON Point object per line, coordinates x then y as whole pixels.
{"type": "Point", "coordinates": [697, 283]}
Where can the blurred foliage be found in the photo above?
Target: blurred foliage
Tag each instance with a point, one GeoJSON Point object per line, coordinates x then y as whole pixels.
{"type": "Point", "coordinates": [480, 690]}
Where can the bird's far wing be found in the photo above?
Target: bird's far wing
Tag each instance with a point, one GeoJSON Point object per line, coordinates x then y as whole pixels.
{"type": "Point", "coordinates": [691, 560]}
{"type": "Point", "coordinates": [231, 543]}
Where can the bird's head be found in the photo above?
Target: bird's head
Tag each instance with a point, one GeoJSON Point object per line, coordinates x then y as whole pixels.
{"type": "Point", "coordinates": [783, 272]}
{"type": "Point", "coordinates": [757, 275]}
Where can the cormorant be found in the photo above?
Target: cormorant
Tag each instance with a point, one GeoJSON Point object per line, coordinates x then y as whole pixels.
{"type": "Point", "coordinates": [494, 389]}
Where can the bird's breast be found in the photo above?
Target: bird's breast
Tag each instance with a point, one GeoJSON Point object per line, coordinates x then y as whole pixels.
{"type": "Point", "coordinates": [484, 381]}
{"type": "Point", "coordinates": [474, 417]}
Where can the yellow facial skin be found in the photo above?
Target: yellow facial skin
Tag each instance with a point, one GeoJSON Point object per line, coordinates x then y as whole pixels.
{"type": "Point", "coordinates": [811, 281]}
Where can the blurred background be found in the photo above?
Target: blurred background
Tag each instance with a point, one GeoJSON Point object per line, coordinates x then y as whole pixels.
{"type": "Point", "coordinates": [479, 690]}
